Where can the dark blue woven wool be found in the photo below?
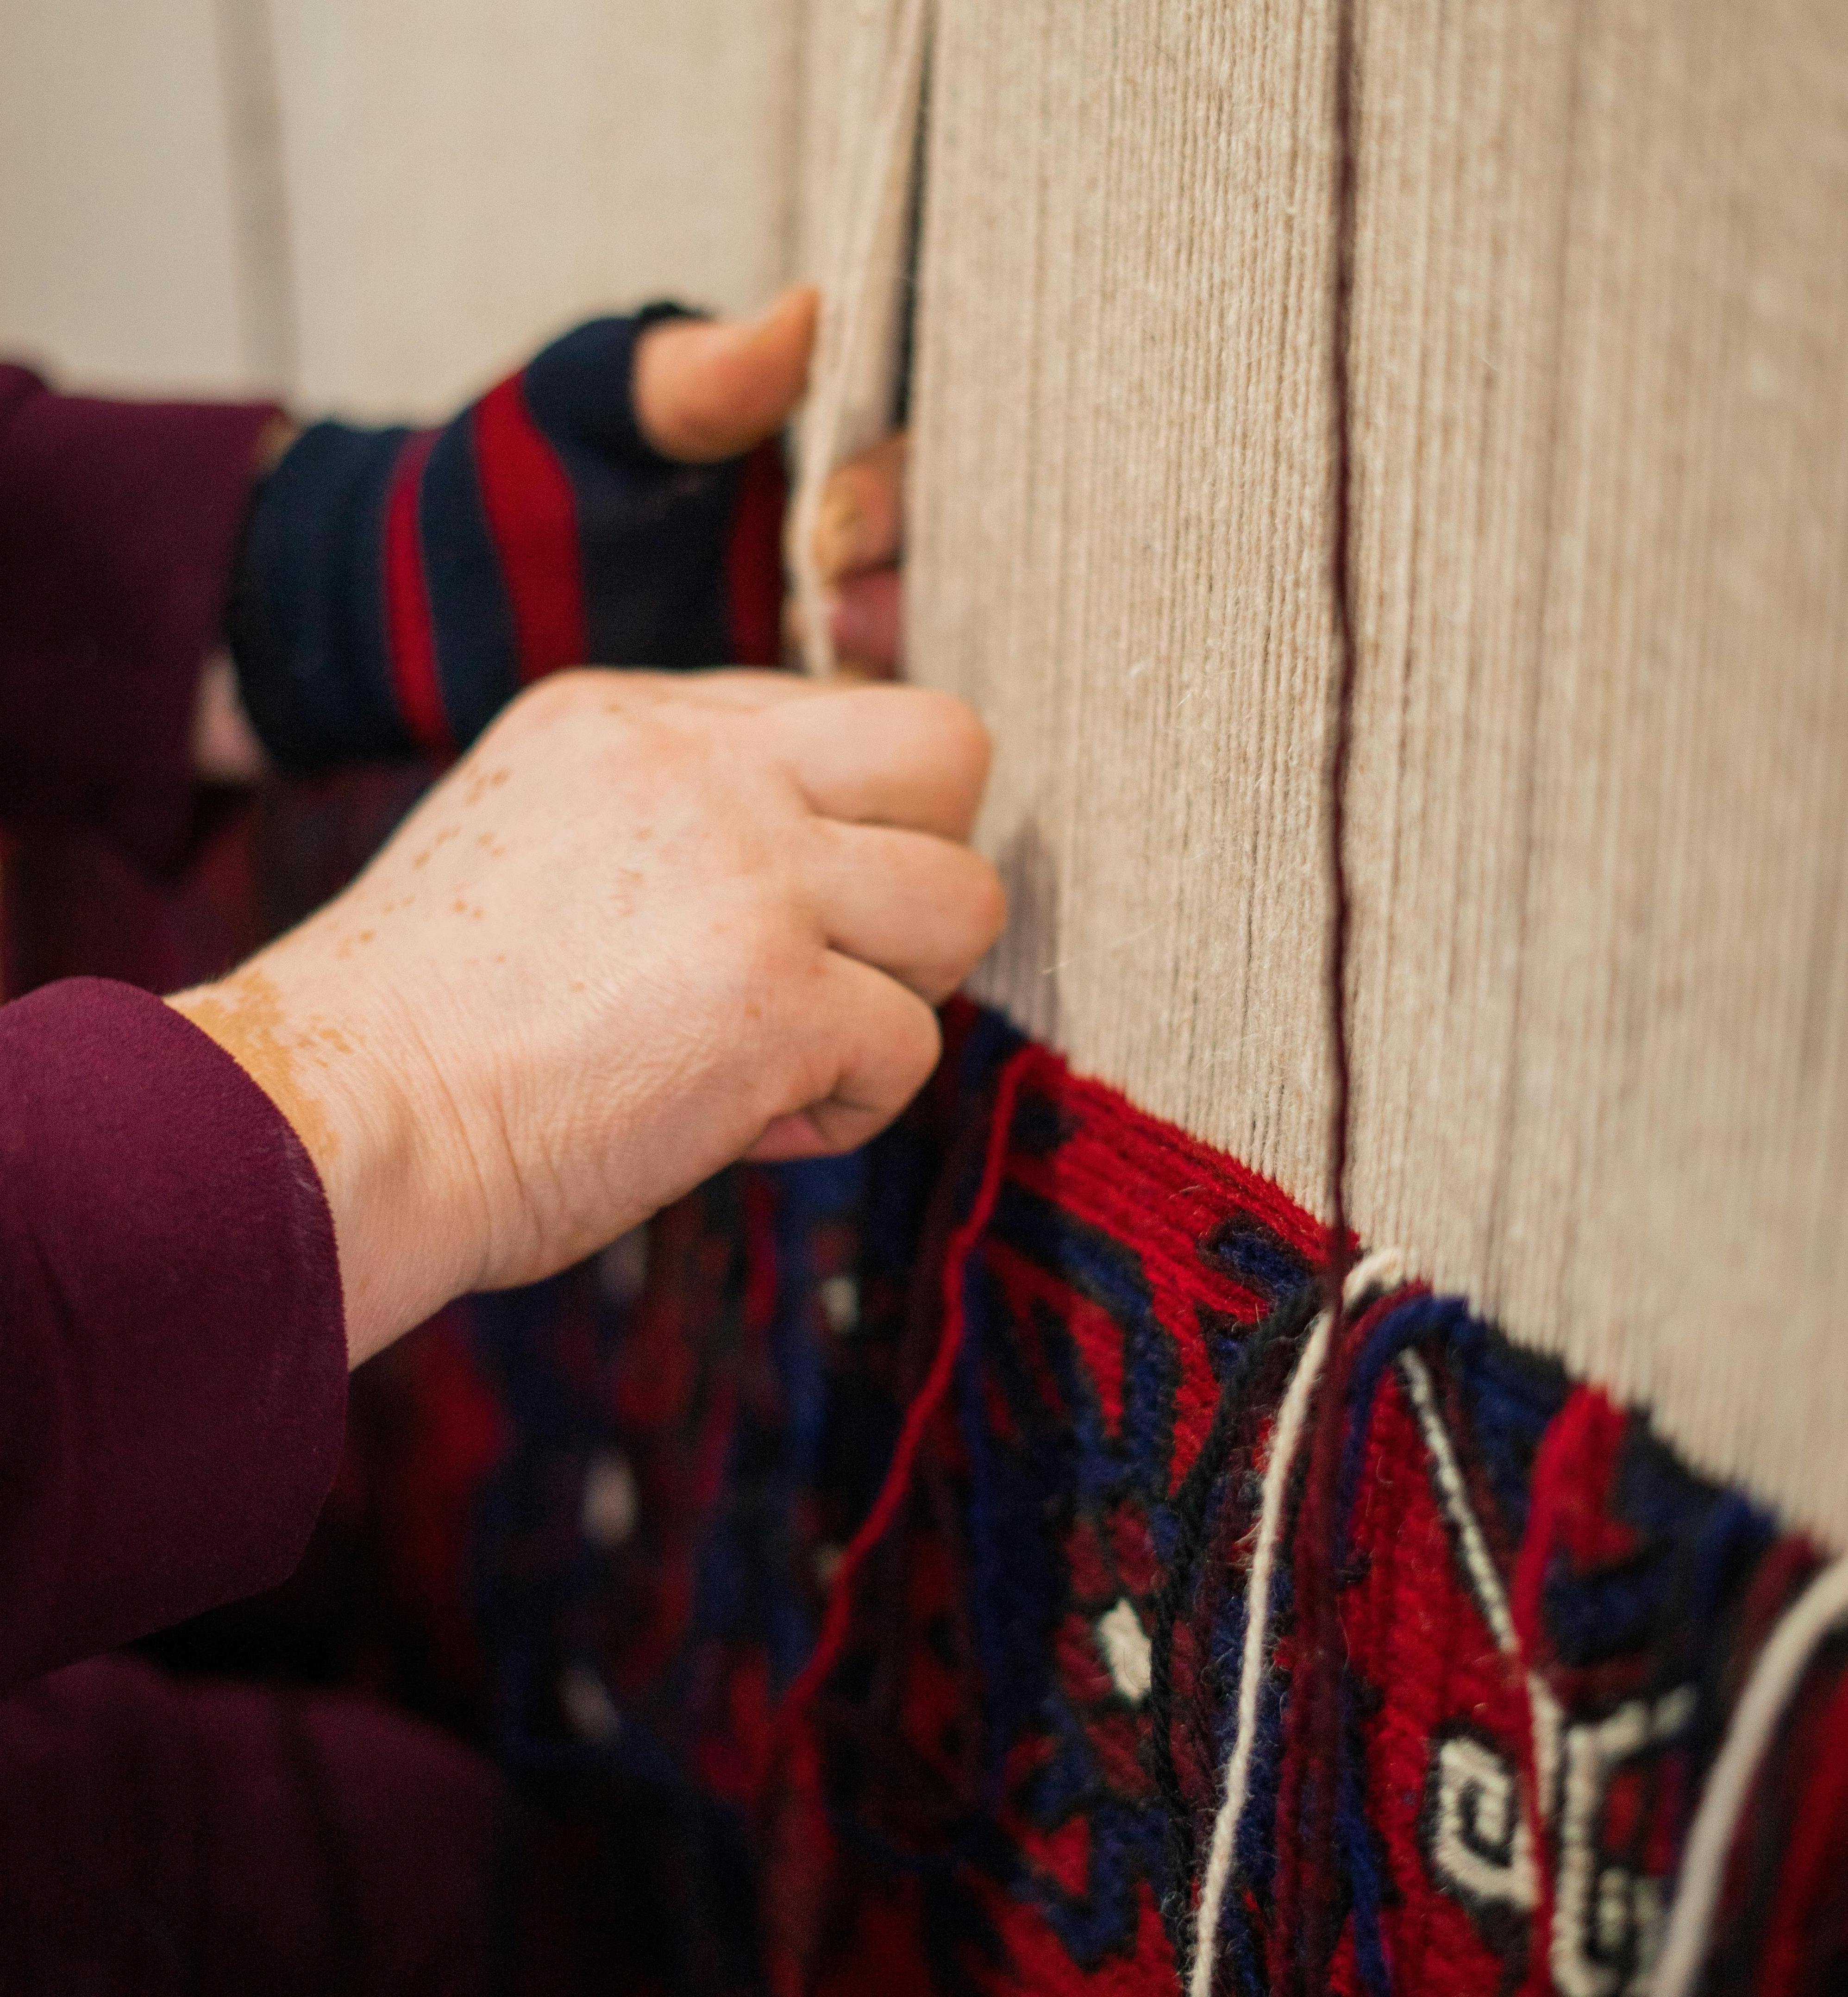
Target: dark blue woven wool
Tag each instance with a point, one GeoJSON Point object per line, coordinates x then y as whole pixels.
{"type": "Point", "coordinates": [1007, 1779]}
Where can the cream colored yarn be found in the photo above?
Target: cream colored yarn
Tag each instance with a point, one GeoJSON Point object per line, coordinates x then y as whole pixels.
{"type": "Point", "coordinates": [1600, 793]}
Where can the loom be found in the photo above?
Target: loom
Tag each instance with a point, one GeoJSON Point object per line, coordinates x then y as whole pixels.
{"type": "Point", "coordinates": [1600, 969]}
{"type": "Point", "coordinates": [1569, 393]}
{"type": "Point", "coordinates": [1465, 389]}
{"type": "Point", "coordinates": [1546, 302]}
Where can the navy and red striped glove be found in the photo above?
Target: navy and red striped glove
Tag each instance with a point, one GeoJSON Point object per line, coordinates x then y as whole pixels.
{"type": "Point", "coordinates": [396, 588]}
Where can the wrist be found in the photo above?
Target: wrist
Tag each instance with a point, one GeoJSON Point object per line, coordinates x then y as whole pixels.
{"type": "Point", "coordinates": [348, 1090]}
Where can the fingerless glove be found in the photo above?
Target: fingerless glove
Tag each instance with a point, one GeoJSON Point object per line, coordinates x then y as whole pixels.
{"type": "Point", "coordinates": [396, 588]}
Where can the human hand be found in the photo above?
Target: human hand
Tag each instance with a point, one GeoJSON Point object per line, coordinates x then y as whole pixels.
{"type": "Point", "coordinates": [859, 539]}
{"type": "Point", "coordinates": [397, 587]}
{"type": "Point", "coordinates": [651, 924]}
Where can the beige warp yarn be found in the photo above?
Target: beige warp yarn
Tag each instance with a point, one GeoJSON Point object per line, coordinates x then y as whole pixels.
{"type": "Point", "coordinates": [1599, 800]}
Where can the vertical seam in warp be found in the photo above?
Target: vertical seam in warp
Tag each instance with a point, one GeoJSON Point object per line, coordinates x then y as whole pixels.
{"type": "Point", "coordinates": [1342, 580]}
{"type": "Point", "coordinates": [1318, 1625]}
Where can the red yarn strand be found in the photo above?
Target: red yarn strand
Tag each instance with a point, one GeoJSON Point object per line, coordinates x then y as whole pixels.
{"type": "Point", "coordinates": [918, 1415]}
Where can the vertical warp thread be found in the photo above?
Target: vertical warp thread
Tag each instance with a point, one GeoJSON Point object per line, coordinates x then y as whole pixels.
{"type": "Point", "coordinates": [858, 344]}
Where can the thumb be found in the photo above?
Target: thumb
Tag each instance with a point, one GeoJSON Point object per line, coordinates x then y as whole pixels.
{"type": "Point", "coordinates": [706, 389]}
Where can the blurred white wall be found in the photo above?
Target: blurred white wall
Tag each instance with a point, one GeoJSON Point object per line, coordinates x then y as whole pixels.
{"type": "Point", "coordinates": [376, 208]}
{"type": "Point", "coordinates": [468, 175]}
{"type": "Point", "coordinates": [117, 261]}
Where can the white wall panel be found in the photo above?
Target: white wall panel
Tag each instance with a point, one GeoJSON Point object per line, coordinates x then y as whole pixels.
{"type": "Point", "coordinates": [374, 208]}
{"type": "Point", "coordinates": [117, 257]}
{"type": "Point", "coordinates": [467, 176]}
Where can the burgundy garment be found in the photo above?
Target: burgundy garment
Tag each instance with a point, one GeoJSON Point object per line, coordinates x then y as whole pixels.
{"type": "Point", "coordinates": [117, 522]}
{"type": "Point", "coordinates": [172, 1349]}
{"type": "Point", "coordinates": [158, 1839]}
{"type": "Point", "coordinates": [174, 1361]}
{"type": "Point", "coordinates": [171, 1340]}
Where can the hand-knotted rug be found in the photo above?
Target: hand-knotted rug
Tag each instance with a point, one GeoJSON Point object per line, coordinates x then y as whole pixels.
{"type": "Point", "coordinates": [888, 1527]}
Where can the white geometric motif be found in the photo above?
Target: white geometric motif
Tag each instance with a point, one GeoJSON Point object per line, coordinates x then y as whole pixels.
{"type": "Point", "coordinates": [1125, 1644]}
{"type": "Point", "coordinates": [1607, 1918]}
{"type": "Point", "coordinates": [1480, 1846]}
{"type": "Point", "coordinates": [1607, 1921]}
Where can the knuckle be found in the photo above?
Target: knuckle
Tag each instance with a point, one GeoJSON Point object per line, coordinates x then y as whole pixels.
{"type": "Point", "coordinates": [969, 911]}
{"type": "Point", "coordinates": [562, 692]}
{"type": "Point", "coordinates": [778, 943]}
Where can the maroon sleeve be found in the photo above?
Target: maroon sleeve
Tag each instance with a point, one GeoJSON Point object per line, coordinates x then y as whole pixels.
{"type": "Point", "coordinates": [159, 1838]}
{"type": "Point", "coordinates": [173, 1361]}
{"type": "Point", "coordinates": [118, 524]}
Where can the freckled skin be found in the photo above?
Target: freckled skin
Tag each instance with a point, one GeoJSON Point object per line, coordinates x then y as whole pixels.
{"type": "Point", "coordinates": [281, 1055]}
{"type": "Point", "coordinates": [709, 920]}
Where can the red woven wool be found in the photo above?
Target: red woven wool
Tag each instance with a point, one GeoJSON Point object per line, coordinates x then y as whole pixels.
{"type": "Point", "coordinates": [1141, 1181]}
{"type": "Point", "coordinates": [753, 560]}
{"type": "Point", "coordinates": [1119, 1263]}
{"type": "Point", "coordinates": [1812, 1901]}
{"type": "Point", "coordinates": [413, 644]}
{"type": "Point", "coordinates": [1417, 1634]}
{"type": "Point", "coordinates": [1509, 1630]}
{"type": "Point", "coordinates": [532, 514]}
{"type": "Point", "coordinates": [1301, 1938]}
{"type": "Point", "coordinates": [1569, 1510]}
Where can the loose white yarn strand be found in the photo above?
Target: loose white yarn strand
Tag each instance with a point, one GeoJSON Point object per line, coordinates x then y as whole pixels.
{"type": "Point", "coordinates": [1774, 1678]}
{"type": "Point", "coordinates": [1382, 1269]}
{"type": "Point", "coordinates": [859, 304]}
